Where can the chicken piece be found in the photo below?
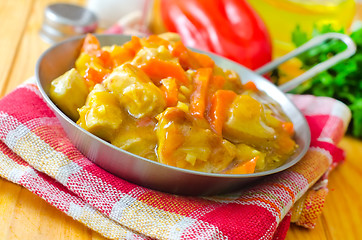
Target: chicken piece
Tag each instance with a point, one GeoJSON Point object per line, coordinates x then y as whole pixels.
{"type": "Point", "coordinates": [246, 120]}
{"type": "Point", "coordinates": [185, 142]}
{"type": "Point", "coordinates": [145, 54]}
{"type": "Point", "coordinates": [137, 137]}
{"type": "Point", "coordinates": [102, 114]}
{"type": "Point", "coordinates": [69, 92]}
{"type": "Point", "coordinates": [135, 91]}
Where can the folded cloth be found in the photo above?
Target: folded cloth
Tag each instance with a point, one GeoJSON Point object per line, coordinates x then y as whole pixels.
{"type": "Point", "coordinates": [35, 151]}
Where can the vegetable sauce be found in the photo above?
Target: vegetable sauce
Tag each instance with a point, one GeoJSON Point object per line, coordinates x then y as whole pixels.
{"type": "Point", "coordinates": [158, 99]}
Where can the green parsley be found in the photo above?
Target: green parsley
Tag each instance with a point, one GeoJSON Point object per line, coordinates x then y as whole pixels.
{"type": "Point", "coordinates": [342, 81]}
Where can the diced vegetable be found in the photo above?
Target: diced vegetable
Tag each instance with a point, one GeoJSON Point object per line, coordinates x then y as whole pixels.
{"type": "Point", "coordinates": [220, 104]}
{"type": "Point", "coordinates": [169, 135]}
{"type": "Point", "coordinates": [189, 59]}
{"type": "Point", "coordinates": [245, 153]}
{"type": "Point", "coordinates": [85, 60]}
{"type": "Point", "coordinates": [231, 79]}
{"type": "Point", "coordinates": [184, 143]}
{"type": "Point", "coordinates": [245, 117]}
{"type": "Point", "coordinates": [69, 92]}
{"type": "Point", "coordinates": [199, 96]}
{"type": "Point", "coordinates": [135, 91]}
{"type": "Point", "coordinates": [244, 168]}
{"type": "Point", "coordinates": [137, 137]}
{"type": "Point", "coordinates": [203, 60]}
{"type": "Point", "coordinates": [250, 86]}
{"type": "Point", "coordinates": [288, 127]}
{"type": "Point", "coordinates": [94, 75]}
{"type": "Point", "coordinates": [170, 89]}
{"type": "Point", "coordinates": [91, 45]}
{"type": "Point", "coordinates": [126, 52]}
{"type": "Point", "coordinates": [154, 41]}
{"type": "Point", "coordinates": [102, 114]}
{"type": "Point", "coordinates": [156, 69]}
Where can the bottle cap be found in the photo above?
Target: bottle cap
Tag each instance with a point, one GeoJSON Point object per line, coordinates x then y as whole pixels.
{"type": "Point", "coordinates": [63, 20]}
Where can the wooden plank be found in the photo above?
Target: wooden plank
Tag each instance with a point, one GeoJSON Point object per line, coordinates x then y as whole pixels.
{"type": "Point", "coordinates": [25, 215]}
{"type": "Point", "coordinates": [342, 213]}
{"type": "Point", "coordinates": [32, 46]}
{"type": "Point", "coordinates": [9, 193]}
{"type": "Point", "coordinates": [13, 17]}
{"type": "Point", "coordinates": [299, 233]}
{"type": "Point", "coordinates": [33, 218]}
{"type": "Point", "coordinates": [343, 209]}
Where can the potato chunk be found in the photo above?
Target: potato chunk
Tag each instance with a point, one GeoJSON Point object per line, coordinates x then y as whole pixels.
{"type": "Point", "coordinates": [252, 123]}
{"type": "Point", "coordinates": [135, 91]}
{"type": "Point", "coordinates": [147, 53]}
{"type": "Point", "coordinates": [184, 142]}
{"type": "Point", "coordinates": [102, 114]}
{"type": "Point", "coordinates": [69, 92]}
{"type": "Point", "coordinates": [137, 137]}
{"type": "Point", "coordinates": [246, 119]}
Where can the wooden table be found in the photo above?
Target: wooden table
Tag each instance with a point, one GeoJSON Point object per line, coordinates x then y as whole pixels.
{"type": "Point", "coordinates": [24, 215]}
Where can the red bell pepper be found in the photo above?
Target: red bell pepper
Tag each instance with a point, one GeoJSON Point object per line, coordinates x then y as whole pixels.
{"type": "Point", "coordinates": [226, 27]}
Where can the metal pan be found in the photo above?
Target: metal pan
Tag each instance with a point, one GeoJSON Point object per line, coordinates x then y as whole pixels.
{"type": "Point", "coordinates": [61, 57]}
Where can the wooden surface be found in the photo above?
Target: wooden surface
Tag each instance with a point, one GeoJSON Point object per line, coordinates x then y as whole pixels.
{"type": "Point", "coordinates": [23, 215]}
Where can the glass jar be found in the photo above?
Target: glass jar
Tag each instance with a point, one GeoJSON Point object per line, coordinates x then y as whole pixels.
{"type": "Point", "coordinates": [282, 17]}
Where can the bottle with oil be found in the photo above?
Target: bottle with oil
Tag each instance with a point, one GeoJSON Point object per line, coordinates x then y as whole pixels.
{"type": "Point", "coordinates": [282, 17]}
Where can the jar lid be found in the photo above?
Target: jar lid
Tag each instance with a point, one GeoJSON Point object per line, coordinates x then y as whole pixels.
{"type": "Point", "coordinates": [62, 20]}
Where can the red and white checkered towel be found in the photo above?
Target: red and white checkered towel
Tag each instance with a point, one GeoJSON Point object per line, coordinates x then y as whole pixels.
{"type": "Point", "coordinates": [34, 151]}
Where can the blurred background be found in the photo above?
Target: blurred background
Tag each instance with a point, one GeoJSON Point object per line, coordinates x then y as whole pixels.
{"type": "Point", "coordinates": [253, 33]}
{"type": "Point", "coordinates": [250, 32]}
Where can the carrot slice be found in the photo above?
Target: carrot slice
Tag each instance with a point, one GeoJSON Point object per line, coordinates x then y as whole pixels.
{"type": "Point", "coordinates": [244, 168]}
{"type": "Point", "coordinates": [178, 48]}
{"type": "Point", "coordinates": [288, 127]}
{"type": "Point", "coordinates": [106, 59]}
{"type": "Point", "coordinates": [169, 87]}
{"type": "Point", "coordinates": [199, 95]}
{"type": "Point", "coordinates": [220, 103]}
{"type": "Point", "coordinates": [189, 59]}
{"type": "Point", "coordinates": [134, 45]}
{"type": "Point", "coordinates": [217, 82]}
{"type": "Point", "coordinates": [203, 59]}
{"type": "Point", "coordinates": [126, 52]}
{"type": "Point", "coordinates": [91, 45]}
{"type": "Point", "coordinates": [154, 39]}
{"type": "Point", "coordinates": [250, 86]}
{"type": "Point", "coordinates": [158, 69]}
{"type": "Point", "coordinates": [92, 76]}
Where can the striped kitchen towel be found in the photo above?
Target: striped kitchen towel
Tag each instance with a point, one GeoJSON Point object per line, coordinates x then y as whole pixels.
{"type": "Point", "coordinates": [34, 151]}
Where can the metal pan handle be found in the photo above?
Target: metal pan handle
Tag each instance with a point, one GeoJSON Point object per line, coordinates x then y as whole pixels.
{"type": "Point", "coordinates": [351, 49]}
